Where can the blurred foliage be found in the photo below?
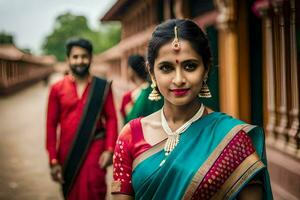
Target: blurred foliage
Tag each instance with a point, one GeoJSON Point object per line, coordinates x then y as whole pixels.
{"type": "Point", "coordinates": [6, 38]}
{"type": "Point", "coordinates": [69, 25]}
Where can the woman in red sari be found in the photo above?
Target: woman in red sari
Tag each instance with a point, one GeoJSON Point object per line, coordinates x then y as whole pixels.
{"type": "Point", "coordinates": [186, 150]}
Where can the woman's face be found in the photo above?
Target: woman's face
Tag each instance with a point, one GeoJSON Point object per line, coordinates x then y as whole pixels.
{"type": "Point", "coordinates": [179, 74]}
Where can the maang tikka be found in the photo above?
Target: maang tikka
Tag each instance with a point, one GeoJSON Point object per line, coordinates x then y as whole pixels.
{"type": "Point", "coordinates": [175, 43]}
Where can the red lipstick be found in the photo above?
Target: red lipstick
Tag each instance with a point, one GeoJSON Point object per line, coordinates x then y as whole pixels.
{"type": "Point", "coordinates": [180, 92]}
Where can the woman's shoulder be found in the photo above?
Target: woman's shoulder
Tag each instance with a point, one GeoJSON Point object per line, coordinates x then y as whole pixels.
{"type": "Point", "coordinates": [225, 118]}
{"type": "Point", "coordinates": [132, 132]}
{"type": "Point", "coordinates": [227, 122]}
{"type": "Point", "coordinates": [152, 128]}
{"type": "Point", "coordinates": [126, 134]}
{"type": "Point", "coordinates": [222, 123]}
{"type": "Point", "coordinates": [152, 119]}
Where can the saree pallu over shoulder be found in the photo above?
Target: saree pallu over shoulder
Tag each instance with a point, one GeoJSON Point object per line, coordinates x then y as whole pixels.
{"type": "Point", "coordinates": [215, 158]}
{"type": "Point", "coordinates": [230, 166]}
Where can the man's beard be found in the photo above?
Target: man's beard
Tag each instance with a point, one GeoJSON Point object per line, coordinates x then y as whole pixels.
{"type": "Point", "coordinates": [80, 71]}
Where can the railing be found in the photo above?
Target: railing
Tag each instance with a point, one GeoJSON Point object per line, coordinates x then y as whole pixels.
{"type": "Point", "coordinates": [16, 74]}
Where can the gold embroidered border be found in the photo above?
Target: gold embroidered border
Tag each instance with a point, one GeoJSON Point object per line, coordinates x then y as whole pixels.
{"type": "Point", "coordinates": [248, 128]}
{"type": "Point", "coordinates": [200, 174]}
{"type": "Point", "coordinates": [239, 176]}
{"type": "Point", "coordinates": [156, 148]}
{"type": "Point", "coordinates": [256, 167]}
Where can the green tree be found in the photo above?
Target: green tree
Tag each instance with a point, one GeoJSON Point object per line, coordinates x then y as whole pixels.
{"type": "Point", "coordinates": [6, 38]}
{"type": "Point", "coordinates": [68, 25]}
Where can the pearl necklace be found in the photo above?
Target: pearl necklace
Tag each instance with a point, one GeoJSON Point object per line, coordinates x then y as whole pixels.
{"type": "Point", "coordinates": [173, 137]}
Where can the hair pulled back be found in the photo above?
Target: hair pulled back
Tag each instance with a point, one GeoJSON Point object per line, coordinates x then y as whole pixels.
{"type": "Point", "coordinates": [187, 30]}
{"type": "Point", "coordinates": [137, 63]}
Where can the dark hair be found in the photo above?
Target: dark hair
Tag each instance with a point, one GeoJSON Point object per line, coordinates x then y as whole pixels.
{"type": "Point", "coordinates": [187, 30]}
{"type": "Point", "coordinates": [79, 42]}
{"type": "Point", "coordinates": [137, 63]}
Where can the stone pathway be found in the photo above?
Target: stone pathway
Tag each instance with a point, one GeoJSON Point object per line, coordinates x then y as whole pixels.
{"type": "Point", "coordinates": [24, 172]}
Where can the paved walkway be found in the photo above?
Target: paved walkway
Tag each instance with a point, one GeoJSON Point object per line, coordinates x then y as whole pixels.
{"type": "Point", "coordinates": [24, 172]}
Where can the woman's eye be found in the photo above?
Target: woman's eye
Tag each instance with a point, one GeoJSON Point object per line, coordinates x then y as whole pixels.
{"type": "Point", "coordinates": [166, 68]}
{"type": "Point", "coordinates": [190, 66]}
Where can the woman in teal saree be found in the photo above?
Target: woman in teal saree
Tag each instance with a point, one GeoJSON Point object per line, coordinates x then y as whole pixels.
{"type": "Point", "coordinates": [185, 150]}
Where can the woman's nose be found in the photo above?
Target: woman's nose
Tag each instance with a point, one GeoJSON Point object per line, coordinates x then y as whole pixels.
{"type": "Point", "coordinates": [179, 78]}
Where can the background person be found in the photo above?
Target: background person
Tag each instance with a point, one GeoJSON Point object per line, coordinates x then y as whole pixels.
{"type": "Point", "coordinates": [135, 103]}
{"type": "Point", "coordinates": [86, 137]}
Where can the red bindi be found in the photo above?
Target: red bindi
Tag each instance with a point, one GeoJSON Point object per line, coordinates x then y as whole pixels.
{"type": "Point", "coordinates": [177, 61]}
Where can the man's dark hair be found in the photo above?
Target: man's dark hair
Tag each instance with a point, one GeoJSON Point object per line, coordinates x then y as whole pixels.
{"type": "Point", "coordinates": [137, 63]}
{"type": "Point", "coordinates": [79, 42]}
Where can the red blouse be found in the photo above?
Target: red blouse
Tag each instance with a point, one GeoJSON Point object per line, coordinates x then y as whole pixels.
{"type": "Point", "coordinates": [130, 144]}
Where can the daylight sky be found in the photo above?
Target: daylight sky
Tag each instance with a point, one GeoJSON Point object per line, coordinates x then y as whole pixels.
{"type": "Point", "coordinates": [29, 21]}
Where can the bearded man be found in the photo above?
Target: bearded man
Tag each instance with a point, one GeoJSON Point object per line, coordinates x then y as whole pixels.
{"type": "Point", "coordinates": [81, 127]}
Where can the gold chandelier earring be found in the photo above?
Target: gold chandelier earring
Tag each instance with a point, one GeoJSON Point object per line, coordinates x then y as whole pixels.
{"type": "Point", "coordinates": [204, 92]}
{"type": "Point", "coordinates": [154, 95]}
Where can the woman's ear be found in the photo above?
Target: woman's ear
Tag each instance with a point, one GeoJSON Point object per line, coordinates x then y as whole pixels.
{"type": "Point", "coordinates": [149, 71]}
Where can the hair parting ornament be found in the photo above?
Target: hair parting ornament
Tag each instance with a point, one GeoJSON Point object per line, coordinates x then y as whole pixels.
{"type": "Point", "coordinates": [175, 43]}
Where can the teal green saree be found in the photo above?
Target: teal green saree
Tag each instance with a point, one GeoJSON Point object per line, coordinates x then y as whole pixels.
{"type": "Point", "coordinates": [215, 158]}
{"type": "Point", "coordinates": [139, 104]}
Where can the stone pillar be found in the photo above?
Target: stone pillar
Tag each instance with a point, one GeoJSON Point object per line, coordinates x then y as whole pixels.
{"type": "Point", "coordinates": [263, 9]}
{"type": "Point", "coordinates": [280, 75]}
{"type": "Point", "coordinates": [178, 9]}
{"type": "Point", "coordinates": [167, 10]}
{"type": "Point", "coordinates": [228, 57]}
{"type": "Point", "coordinates": [293, 132]}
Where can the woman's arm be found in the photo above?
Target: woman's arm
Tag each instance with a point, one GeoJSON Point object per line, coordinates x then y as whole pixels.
{"type": "Point", "coordinates": [121, 187]}
{"type": "Point", "coordinates": [121, 197]}
{"type": "Point", "coordinates": [251, 192]}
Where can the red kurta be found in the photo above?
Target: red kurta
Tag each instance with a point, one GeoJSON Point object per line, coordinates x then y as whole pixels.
{"type": "Point", "coordinates": [65, 108]}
